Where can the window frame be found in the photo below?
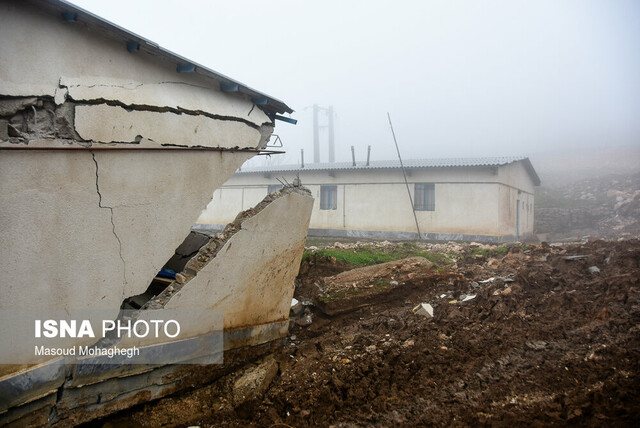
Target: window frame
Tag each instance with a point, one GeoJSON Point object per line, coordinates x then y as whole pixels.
{"type": "Point", "coordinates": [424, 197]}
{"type": "Point", "coordinates": [328, 197]}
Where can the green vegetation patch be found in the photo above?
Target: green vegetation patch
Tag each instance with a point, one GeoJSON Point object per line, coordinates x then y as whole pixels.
{"type": "Point", "coordinates": [371, 255]}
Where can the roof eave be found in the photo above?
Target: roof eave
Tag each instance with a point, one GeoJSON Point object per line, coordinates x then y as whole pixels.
{"type": "Point", "coordinates": [115, 32]}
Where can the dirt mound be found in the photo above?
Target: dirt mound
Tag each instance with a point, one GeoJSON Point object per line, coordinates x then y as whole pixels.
{"type": "Point", "coordinates": [535, 335]}
{"type": "Point", "coordinates": [359, 287]}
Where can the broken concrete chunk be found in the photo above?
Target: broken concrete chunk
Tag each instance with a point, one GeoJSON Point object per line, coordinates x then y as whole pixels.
{"type": "Point", "coordinates": [424, 309]}
{"type": "Point", "coordinates": [305, 321]}
{"type": "Point", "coordinates": [10, 106]}
{"type": "Point", "coordinates": [4, 129]}
{"type": "Point", "coordinates": [64, 118]}
{"type": "Point", "coordinates": [575, 257]}
{"type": "Point", "coordinates": [254, 381]}
{"type": "Point", "coordinates": [12, 131]}
{"type": "Point", "coordinates": [296, 309]}
{"type": "Point", "coordinates": [60, 96]}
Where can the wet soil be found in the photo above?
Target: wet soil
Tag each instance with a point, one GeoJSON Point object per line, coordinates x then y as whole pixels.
{"type": "Point", "coordinates": [545, 340]}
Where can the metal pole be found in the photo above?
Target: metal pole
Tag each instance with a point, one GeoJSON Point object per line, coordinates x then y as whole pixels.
{"type": "Point", "coordinates": [301, 158]}
{"type": "Point", "coordinates": [353, 155]}
{"type": "Point", "coordinates": [368, 154]}
{"type": "Point", "coordinates": [332, 144]}
{"type": "Point", "coordinates": [405, 176]}
{"type": "Point", "coordinates": [316, 135]}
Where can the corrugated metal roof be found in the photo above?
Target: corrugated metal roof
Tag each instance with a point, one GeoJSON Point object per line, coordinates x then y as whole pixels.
{"type": "Point", "coordinates": [113, 31]}
{"type": "Point", "coordinates": [394, 164]}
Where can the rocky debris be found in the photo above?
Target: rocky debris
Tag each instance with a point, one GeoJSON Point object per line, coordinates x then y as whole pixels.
{"type": "Point", "coordinates": [253, 381]}
{"type": "Point", "coordinates": [544, 342]}
{"type": "Point", "coordinates": [305, 320]}
{"type": "Point", "coordinates": [24, 119]}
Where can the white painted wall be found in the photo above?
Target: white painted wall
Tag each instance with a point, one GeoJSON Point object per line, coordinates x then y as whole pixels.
{"type": "Point", "coordinates": [43, 56]}
{"type": "Point", "coordinates": [469, 201]}
{"type": "Point", "coordinates": [85, 229]}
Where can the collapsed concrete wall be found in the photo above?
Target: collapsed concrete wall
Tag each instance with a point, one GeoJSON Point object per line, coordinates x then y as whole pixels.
{"type": "Point", "coordinates": [109, 151]}
{"type": "Point", "coordinates": [247, 272]}
{"type": "Point", "coordinates": [100, 184]}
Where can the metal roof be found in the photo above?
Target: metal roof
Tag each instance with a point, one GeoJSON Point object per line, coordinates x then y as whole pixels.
{"type": "Point", "coordinates": [71, 13]}
{"type": "Point", "coordinates": [394, 164]}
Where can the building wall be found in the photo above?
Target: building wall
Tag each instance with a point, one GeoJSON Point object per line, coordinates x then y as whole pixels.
{"type": "Point", "coordinates": [470, 202]}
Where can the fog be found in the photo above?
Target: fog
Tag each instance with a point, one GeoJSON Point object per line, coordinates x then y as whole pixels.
{"type": "Point", "coordinates": [459, 78]}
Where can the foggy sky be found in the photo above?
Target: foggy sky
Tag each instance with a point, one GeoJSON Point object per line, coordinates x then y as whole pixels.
{"type": "Point", "coordinates": [459, 78]}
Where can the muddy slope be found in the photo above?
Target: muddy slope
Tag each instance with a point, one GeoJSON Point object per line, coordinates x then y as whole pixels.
{"type": "Point", "coordinates": [545, 341]}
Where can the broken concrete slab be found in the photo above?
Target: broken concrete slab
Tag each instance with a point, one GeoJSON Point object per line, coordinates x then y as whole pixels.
{"type": "Point", "coordinates": [189, 247]}
{"type": "Point", "coordinates": [424, 309]}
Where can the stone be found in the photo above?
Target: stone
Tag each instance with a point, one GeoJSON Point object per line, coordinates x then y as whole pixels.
{"type": "Point", "coordinates": [254, 381]}
{"type": "Point", "coordinates": [296, 309]}
{"type": "Point", "coordinates": [408, 343]}
{"type": "Point", "coordinates": [305, 321]}
{"type": "Point", "coordinates": [424, 309]}
{"type": "Point", "coordinates": [594, 269]}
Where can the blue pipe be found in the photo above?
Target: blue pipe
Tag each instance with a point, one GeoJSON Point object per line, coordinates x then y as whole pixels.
{"type": "Point", "coordinates": [69, 16]}
{"type": "Point", "coordinates": [285, 119]}
{"type": "Point", "coordinates": [186, 68]}
{"type": "Point", "coordinates": [229, 87]}
{"type": "Point", "coordinates": [133, 46]}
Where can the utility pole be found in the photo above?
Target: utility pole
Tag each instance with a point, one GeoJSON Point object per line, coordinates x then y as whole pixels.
{"type": "Point", "coordinates": [332, 146]}
{"type": "Point", "coordinates": [413, 210]}
{"type": "Point", "coordinates": [316, 133]}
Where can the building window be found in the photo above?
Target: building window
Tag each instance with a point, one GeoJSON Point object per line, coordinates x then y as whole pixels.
{"type": "Point", "coordinates": [424, 197]}
{"type": "Point", "coordinates": [328, 197]}
{"type": "Point", "coordinates": [273, 188]}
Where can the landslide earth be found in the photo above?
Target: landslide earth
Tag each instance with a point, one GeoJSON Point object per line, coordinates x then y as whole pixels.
{"type": "Point", "coordinates": [546, 339]}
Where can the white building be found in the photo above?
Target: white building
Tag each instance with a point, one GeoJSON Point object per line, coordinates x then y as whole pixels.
{"type": "Point", "coordinates": [479, 199]}
{"type": "Point", "coordinates": [110, 148]}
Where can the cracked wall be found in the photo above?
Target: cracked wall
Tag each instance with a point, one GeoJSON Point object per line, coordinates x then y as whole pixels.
{"type": "Point", "coordinates": [101, 183]}
{"type": "Point", "coordinates": [90, 227]}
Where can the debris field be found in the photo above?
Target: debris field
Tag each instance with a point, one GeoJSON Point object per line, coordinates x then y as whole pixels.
{"type": "Point", "coordinates": [525, 334]}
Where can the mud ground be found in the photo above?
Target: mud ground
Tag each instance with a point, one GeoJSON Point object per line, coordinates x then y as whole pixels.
{"type": "Point", "coordinates": [544, 341]}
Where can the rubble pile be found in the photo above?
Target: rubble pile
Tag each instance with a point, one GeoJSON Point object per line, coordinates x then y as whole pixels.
{"type": "Point", "coordinates": [530, 333]}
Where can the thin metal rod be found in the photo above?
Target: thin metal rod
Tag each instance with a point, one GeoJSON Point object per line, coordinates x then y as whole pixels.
{"type": "Point", "coordinates": [405, 177]}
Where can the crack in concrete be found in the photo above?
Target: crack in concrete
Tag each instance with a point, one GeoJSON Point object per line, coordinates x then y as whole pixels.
{"type": "Point", "coordinates": [113, 225]}
{"type": "Point", "coordinates": [166, 109]}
